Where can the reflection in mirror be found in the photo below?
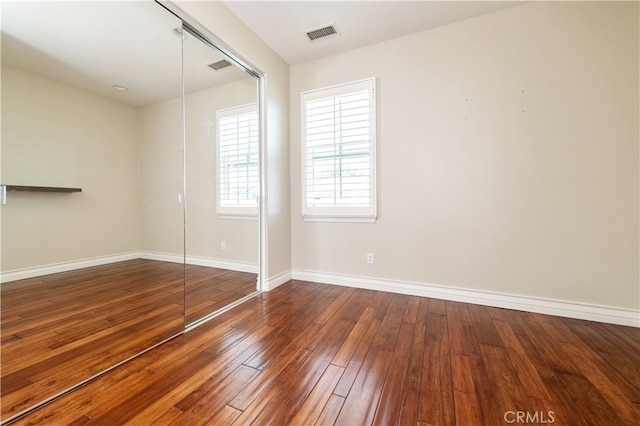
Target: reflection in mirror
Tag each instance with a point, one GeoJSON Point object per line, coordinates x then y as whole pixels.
{"type": "Point", "coordinates": [81, 289]}
{"type": "Point", "coordinates": [221, 146]}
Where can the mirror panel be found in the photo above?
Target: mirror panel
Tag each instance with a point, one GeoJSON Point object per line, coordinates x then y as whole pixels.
{"type": "Point", "coordinates": [89, 278]}
{"type": "Point", "coordinates": [221, 173]}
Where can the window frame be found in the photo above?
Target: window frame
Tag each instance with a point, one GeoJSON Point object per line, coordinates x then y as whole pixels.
{"type": "Point", "coordinates": [249, 212]}
{"type": "Point", "coordinates": [337, 213]}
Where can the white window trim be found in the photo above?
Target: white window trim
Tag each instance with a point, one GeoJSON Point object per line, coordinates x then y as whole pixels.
{"type": "Point", "coordinates": [233, 212]}
{"type": "Point", "coordinates": [337, 213]}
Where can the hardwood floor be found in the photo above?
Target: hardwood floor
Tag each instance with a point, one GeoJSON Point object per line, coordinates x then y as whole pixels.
{"type": "Point", "coordinates": [60, 329]}
{"type": "Point", "coordinates": [210, 289]}
{"type": "Point", "coordinates": [308, 353]}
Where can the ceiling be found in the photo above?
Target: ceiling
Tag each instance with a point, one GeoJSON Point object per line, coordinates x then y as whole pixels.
{"type": "Point", "coordinates": [96, 44]}
{"type": "Point", "coordinates": [283, 24]}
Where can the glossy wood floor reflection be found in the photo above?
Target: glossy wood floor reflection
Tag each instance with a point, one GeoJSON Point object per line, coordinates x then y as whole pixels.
{"type": "Point", "coordinates": [210, 289]}
{"type": "Point", "coordinates": [307, 353]}
{"type": "Point", "coordinates": [60, 329]}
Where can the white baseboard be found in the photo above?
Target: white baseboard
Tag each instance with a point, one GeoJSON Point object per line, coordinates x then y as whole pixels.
{"type": "Point", "coordinates": [21, 274]}
{"type": "Point", "coordinates": [223, 264]}
{"type": "Point", "coordinates": [38, 271]}
{"type": "Point", "coordinates": [162, 257]}
{"type": "Point", "coordinates": [201, 261]}
{"type": "Point", "coordinates": [561, 308]}
{"type": "Point", "coordinates": [278, 280]}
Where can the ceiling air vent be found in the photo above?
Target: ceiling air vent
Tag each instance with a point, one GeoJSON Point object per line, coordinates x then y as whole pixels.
{"type": "Point", "coordinates": [323, 32]}
{"type": "Point", "coordinates": [220, 65]}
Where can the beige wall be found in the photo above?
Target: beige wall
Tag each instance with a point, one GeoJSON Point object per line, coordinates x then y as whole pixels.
{"type": "Point", "coordinates": [226, 26]}
{"type": "Point", "coordinates": [161, 178]}
{"type": "Point", "coordinates": [56, 135]}
{"type": "Point", "coordinates": [205, 228]}
{"type": "Point", "coordinates": [161, 236]}
{"type": "Point", "coordinates": [507, 156]}
{"type": "Point", "coordinates": [128, 162]}
{"type": "Point", "coordinates": [161, 175]}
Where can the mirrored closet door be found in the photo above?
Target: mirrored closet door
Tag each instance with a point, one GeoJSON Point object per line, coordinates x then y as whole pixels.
{"type": "Point", "coordinates": [115, 147]}
{"type": "Point", "coordinates": [222, 179]}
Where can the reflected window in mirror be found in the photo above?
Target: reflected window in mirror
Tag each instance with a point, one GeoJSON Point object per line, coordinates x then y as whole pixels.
{"type": "Point", "coordinates": [238, 163]}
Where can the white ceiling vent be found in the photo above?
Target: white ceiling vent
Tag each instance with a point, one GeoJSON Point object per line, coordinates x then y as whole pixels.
{"type": "Point", "coordinates": [220, 65]}
{"type": "Point", "coordinates": [322, 33]}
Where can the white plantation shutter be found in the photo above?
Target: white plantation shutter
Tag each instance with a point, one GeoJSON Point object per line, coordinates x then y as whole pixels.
{"type": "Point", "coordinates": [237, 136]}
{"type": "Point", "coordinates": [339, 152]}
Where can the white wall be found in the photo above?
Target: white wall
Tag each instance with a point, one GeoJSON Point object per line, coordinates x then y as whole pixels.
{"type": "Point", "coordinates": [507, 157]}
{"type": "Point", "coordinates": [57, 135]}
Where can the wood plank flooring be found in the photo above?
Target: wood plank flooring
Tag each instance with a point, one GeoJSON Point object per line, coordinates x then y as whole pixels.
{"type": "Point", "coordinates": [60, 329]}
{"type": "Point", "coordinates": [210, 289]}
{"type": "Point", "coordinates": [308, 353]}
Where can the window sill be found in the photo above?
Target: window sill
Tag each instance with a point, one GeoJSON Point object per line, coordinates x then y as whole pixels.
{"type": "Point", "coordinates": [338, 219]}
{"type": "Point", "coordinates": [238, 216]}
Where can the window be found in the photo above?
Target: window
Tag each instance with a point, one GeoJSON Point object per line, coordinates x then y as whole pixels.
{"type": "Point", "coordinates": [338, 149]}
{"type": "Point", "coordinates": [237, 137]}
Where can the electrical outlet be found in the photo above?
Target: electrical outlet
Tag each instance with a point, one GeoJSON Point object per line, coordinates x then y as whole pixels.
{"type": "Point", "coordinates": [223, 245]}
{"type": "Point", "coordinates": [370, 258]}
